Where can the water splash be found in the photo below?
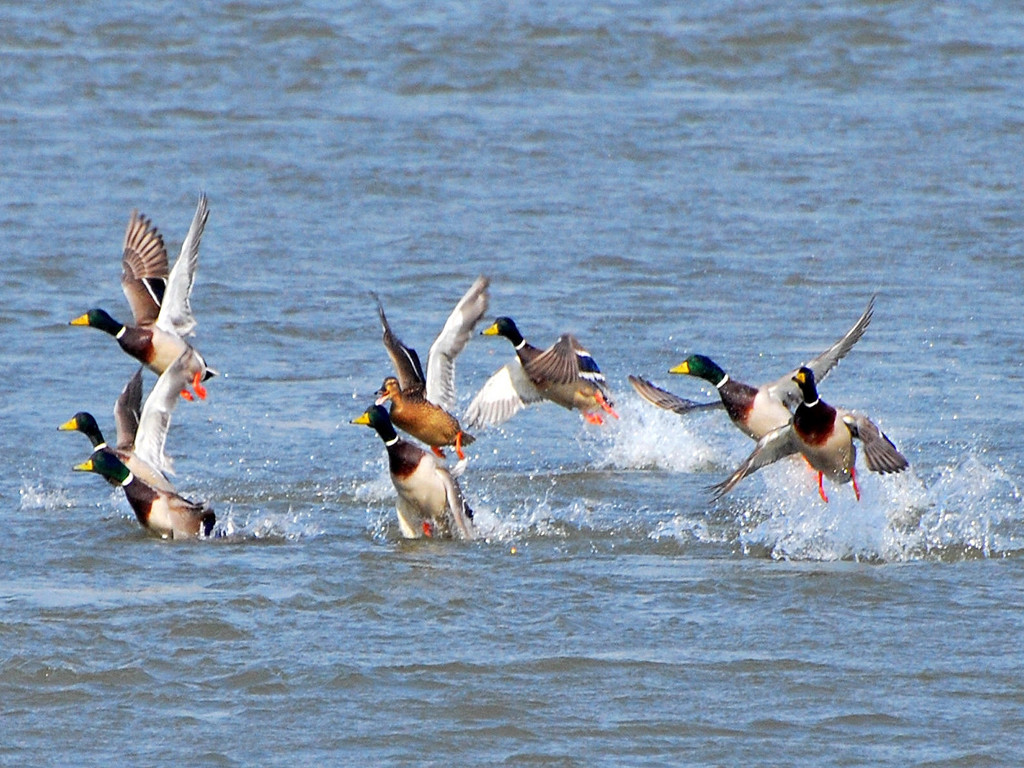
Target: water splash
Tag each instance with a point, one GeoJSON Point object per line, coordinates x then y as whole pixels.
{"type": "Point", "coordinates": [288, 525]}
{"type": "Point", "coordinates": [37, 498]}
{"type": "Point", "coordinates": [970, 510]}
{"type": "Point", "coordinates": [646, 437]}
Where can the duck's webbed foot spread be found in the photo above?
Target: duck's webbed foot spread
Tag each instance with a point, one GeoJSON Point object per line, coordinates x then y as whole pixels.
{"type": "Point", "coordinates": [605, 404]}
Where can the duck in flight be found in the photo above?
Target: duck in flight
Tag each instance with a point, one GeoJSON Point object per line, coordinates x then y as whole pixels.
{"type": "Point", "coordinates": [565, 373]}
{"type": "Point", "coordinates": [755, 411]}
{"type": "Point", "coordinates": [824, 436]}
{"type": "Point", "coordinates": [422, 403]}
{"type": "Point", "coordinates": [160, 301]}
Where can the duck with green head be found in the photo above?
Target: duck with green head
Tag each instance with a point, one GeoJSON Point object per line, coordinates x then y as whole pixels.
{"type": "Point", "coordinates": [756, 411]}
{"type": "Point", "coordinates": [163, 512]}
{"type": "Point", "coordinates": [824, 436]}
{"type": "Point", "coordinates": [430, 501]}
{"type": "Point", "coordinates": [565, 373]}
{"type": "Point", "coordinates": [160, 302]}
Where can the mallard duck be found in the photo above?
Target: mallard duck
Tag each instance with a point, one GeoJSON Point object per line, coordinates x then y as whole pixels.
{"type": "Point", "coordinates": [564, 373]}
{"type": "Point", "coordinates": [160, 303]}
{"type": "Point", "coordinates": [824, 435]}
{"type": "Point", "coordinates": [165, 513]}
{"type": "Point", "coordinates": [430, 502]}
{"type": "Point", "coordinates": [756, 411]}
{"type": "Point", "coordinates": [127, 412]}
{"type": "Point", "coordinates": [421, 404]}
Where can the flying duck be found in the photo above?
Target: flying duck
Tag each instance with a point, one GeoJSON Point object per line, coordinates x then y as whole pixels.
{"type": "Point", "coordinates": [564, 373]}
{"type": "Point", "coordinates": [756, 411]}
{"type": "Point", "coordinates": [421, 404]}
{"type": "Point", "coordinates": [160, 302]}
{"type": "Point", "coordinates": [824, 436]}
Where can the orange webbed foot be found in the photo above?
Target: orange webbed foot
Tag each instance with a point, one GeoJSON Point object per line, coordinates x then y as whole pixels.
{"type": "Point", "coordinates": [458, 447]}
{"type": "Point", "coordinates": [186, 395]}
{"type": "Point", "coordinates": [437, 451]}
{"type": "Point", "coordinates": [197, 385]}
{"type": "Point", "coordinates": [605, 404]}
{"type": "Point", "coordinates": [428, 530]}
{"type": "Point", "coordinates": [593, 418]}
{"type": "Point", "coordinates": [821, 489]}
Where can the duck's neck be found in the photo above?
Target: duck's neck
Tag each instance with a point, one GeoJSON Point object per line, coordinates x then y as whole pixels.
{"type": "Point", "coordinates": [387, 434]}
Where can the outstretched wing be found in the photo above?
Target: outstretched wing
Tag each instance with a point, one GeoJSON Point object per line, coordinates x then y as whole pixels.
{"type": "Point", "coordinates": [879, 452]}
{"type": "Point", "coordinates": [127, 411]}
{"type": "Point", "coordinates": [776, 445]}
{"type": "Point", "coordinates": [156, 414]}
{"type": "Point", "coordinates": [564, 362]}
{"type": "Point", "coordinates": [176, 311]}
{"type": "Point", "coordinates": [143, 269]}
{"type": "Point", "coordinates": [786, 390]}
{"type": "Point", "coordinates": [406, 361]}
{"type": "Point", "coordinates": [663, 399]}
{"type": "Point", "coordinates": [506, 393]}
{"type": "Point", "coordinates": [451, 341]}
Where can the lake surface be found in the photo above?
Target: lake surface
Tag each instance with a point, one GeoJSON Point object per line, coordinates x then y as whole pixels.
{"type": "Point", "coordinates": [735, 179]}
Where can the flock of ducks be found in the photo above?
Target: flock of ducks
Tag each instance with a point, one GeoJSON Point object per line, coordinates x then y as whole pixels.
{"type": "Point", "coordinates": [160, 302]}
{"type": "Point", "coordinates": [784, 417]}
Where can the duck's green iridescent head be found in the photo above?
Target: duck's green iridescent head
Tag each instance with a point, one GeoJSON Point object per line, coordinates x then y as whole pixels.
{"type": "Point", "coordinates": [85, 423]}
{"type": "Point", "coordinates": [107, 464]}
{"type": "Point", "coordinates": [702, 367]}
{"type": "Point", "coordinates": [505, 326]}
{"type": "Point", "coordinates": [804, 379]}
{"type": "Point", "coordinates": [376, 417]}
{"type": "Point", "coordinates": [98, 318]}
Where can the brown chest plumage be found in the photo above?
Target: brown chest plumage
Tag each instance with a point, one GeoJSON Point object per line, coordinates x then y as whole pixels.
{"type": "Point", "coordinates": [815, 423]}
{"type": "Point", "coordinates": [138, 342]}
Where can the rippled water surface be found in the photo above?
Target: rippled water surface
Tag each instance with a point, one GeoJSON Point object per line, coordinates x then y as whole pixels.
{"type": "Point", "coordinates": [735, 179]}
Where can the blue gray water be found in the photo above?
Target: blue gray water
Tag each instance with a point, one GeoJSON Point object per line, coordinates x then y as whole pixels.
{"type": "Point", "coordinates": [735, 179]}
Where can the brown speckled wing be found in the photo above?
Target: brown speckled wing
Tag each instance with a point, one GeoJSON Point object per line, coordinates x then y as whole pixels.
{"type": "Point", "coordinates": [144, 269]}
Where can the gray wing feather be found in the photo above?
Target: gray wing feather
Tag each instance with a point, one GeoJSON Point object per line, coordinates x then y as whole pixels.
{"type": "Point", "coordinates": [558, 364]}
{"type": "Point", "coordinates": [406, 361]}
{"type": "Point", "coordinates": [786, 390]}
{"type": "Point", "coordinates": [457, 506]}
{"type": "Point", "coordinates": [879, 452]}
{"type": "Point", "coordinates": [776, 445]}
{"type": "Point", "coordinates": [127, 411]}
{"type": "Point", "coordinates": [144, 269]}
{"type": "Point", "coordinates": [156, 414]}
{"type": "Point", "coordinates": [451, 341]}
{"type": "Point", "coordinates": [663, 399]}
{"type": "Point", "coordinates": [176, 311]}
{"type": "Point", "coordinates": [506, 393]}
